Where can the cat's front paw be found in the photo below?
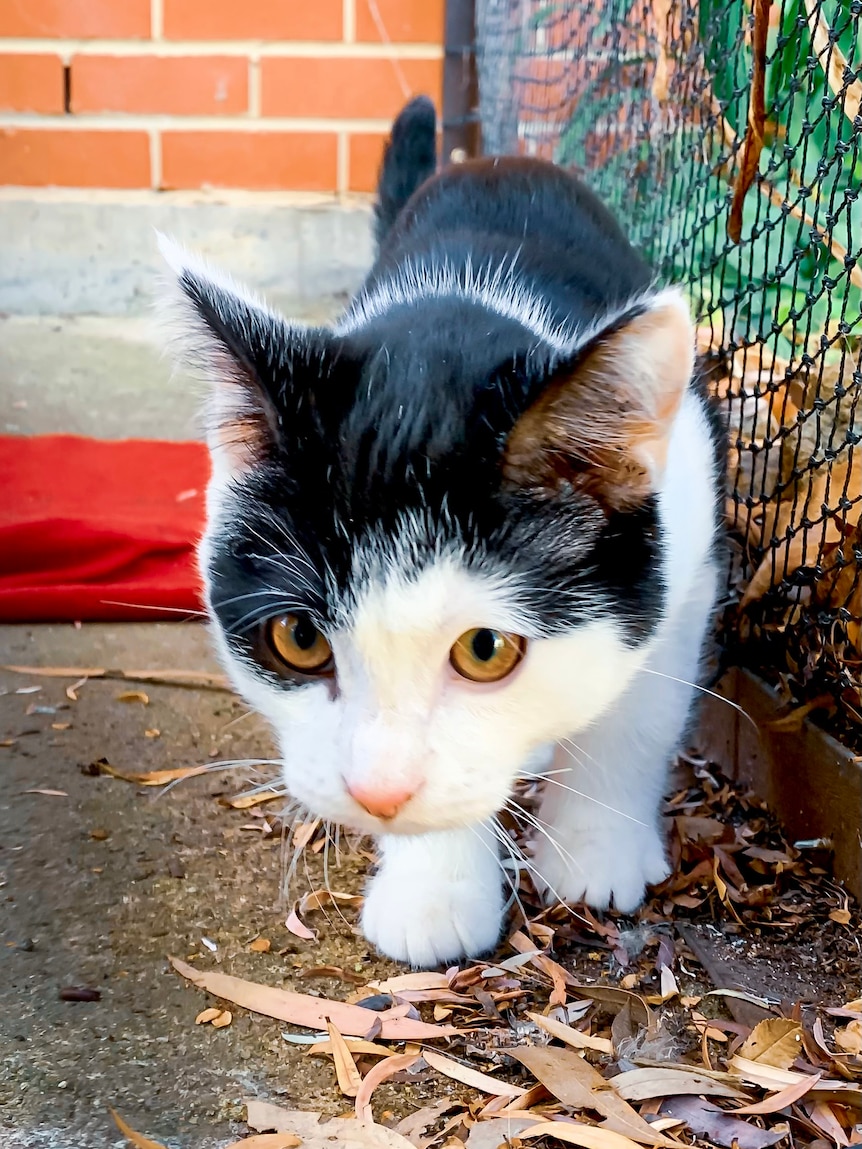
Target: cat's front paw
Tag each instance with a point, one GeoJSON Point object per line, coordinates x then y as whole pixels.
{"type": "Point", "coordinates": [601, 865]}
{"type": "Point", "coordinates": [426, 922]}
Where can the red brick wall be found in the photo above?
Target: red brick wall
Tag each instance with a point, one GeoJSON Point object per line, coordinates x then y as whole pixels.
{"type": "Point", "coordinates": [256, 94]}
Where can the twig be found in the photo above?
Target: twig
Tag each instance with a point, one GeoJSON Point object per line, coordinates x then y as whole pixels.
{"type": "Point", "coordinates": [187, 679]}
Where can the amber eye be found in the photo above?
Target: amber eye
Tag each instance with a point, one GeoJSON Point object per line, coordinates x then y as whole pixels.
{"type": "Point", "coordinates": [296, 642]}
{"type": "Point", "coordinates": [485, 655]}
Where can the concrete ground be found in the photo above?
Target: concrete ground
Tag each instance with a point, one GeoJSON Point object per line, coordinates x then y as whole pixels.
{"type": "Point", "coordinates": [102, 880]}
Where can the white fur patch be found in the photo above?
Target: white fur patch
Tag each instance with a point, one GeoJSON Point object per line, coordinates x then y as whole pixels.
{"type": "Point", "coordinates": [497, 287]}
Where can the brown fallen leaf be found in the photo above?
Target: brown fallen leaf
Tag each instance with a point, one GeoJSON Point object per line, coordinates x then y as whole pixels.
{"type": "Point", "coordinates": [499, 1132]}
{"type": "Point", "coordinates": [150, 778]}
{"type": "Point", "coordinates": [72, 691]}
{"type": "Point", "coordinates": [356, 1045]}
{"type": "Point", "coordinates": [260, 945]}
{"type": "Point", "coordinates": [849, 1037]}
{"type": "Point", "coordinates": [472, 1077]}
{"type": "Point", "coordinates": [206, 1015]}
{"type": "Point", "coordinates": [753, 142]}
{"type": "Point", "coordinates": [298, 928]}
{"type": "Point", "coordinates": [305, 1010]}
{"type": "Point", "coordinates": [246, 801]}
{"type": "Point", "coordinates": [223, 1020]}
{"type": "Point", "coordinates": [575, 1082]}
{"type": "Point", "coordinates": [641, 1084]}
{"type": "Point", "coordinates": [781, 1100]}
{"type": "Point", "coordinates": [377, 1075]}
{"type": "Point", "coordinates": [589, 1136]}
{"type": "Point", "coordinates": [134, 696]}
{"type": "Point", "coordinates": [348, 1076]}
{"type": "Point", "coordinates": [569, 1035]}
{"type": "Point", "coordinates": [775, 1041]}
{"type": "Point", "coordinates": [771, 1078]}
{"type": "Point", "coordinates": [337, 1133]}
{"type": "Point", "coordinates": [136, 1139]}
{"type": "Point", "coordinates": [842, 917]}
{"type": "Point", "coordinates": [418, 981]}
{"type": "Point", "coordinates": [317, 899]}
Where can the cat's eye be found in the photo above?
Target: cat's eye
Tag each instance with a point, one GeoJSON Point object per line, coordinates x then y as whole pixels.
{"type": "Point", "coordinates": [298, 644]}
{"type": "Point", "coordinates": [485, 655]}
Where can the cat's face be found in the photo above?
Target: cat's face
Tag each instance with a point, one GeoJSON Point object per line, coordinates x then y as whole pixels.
{"type": "Point", "coordinates": [430, 555]}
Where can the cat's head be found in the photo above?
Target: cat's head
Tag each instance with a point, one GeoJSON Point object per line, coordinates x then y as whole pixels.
{"type": "Point", "coordinates": [433, 546]}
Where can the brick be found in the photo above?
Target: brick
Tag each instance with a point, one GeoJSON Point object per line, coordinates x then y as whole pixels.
{"type": "Point", "coordinates": [365, 151]}
{"type": "Point", "coordinates": [71, 157]}
{"type": "Point", "coordinates": [31, 83]}
{"type": "Point", "coordinates": [405, 21]}
{"type": "Point", "coordinates": [344, 88]}
{"type": "Point", "coordinates": [259, 161]}
{"type": "Point", "coordinates": [170, 85]}
{"type": "Point", "coordinates": [83, 19]}
{"type": "Point", "coordinates": [252, 19]}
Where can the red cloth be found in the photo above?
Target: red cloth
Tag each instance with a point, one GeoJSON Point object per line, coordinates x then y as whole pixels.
{"type": "Point", "coordinates": [91, 529]}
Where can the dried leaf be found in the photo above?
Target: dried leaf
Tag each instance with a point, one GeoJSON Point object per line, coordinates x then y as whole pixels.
{"type": "Point", "coordinates": [843, 917]}
{"type": "Point", "coordinates": [260, 945]}
{"type": "Point", "coordinates": [753, 141]}
{"type": "Point", "coordinates": [206, 1015]}
{"type": "Point", "coordinates": [410, 981]}
{"type": "Point", "coordinates": [246, 801]}
{"type": "Point", "coordinates": [299, 929]}
{"type": "Point", "coordinates": [824, 1118]}
{"type": "Point", "coordinates": [305, 1010]}
{"type": "Point", "coordinates": [618, 998]}
{"type": "Point", "coordinates": [641, 1084]}
{"type": "Point", "coordinates": [348, 1076]}
{"type": "Point", "coordinates": [849, 1038]}
{"type": "Point", "coordinates": [338, 1133]}
{"type": "Point", "coordinates": [575, 1082]}
{"type": "Point", "coordinates": [706, 1119]}
{"type": "Point", "coordinates": [570, 1036]}
{"type": "Point", "coordinates": [134, 696]}
{"type": "Point", "coordinates": [317, 899]}
{"type": "Point", "coordinates": [376, 1076]}
{"type": "Point", "coordinates": [778, 1101]}
{"type": "Point", "coordinates": [355, 1045]}
{"type": "Point", "coordinates": [47, 793]}
{"type": "Point", "coordinates": [589, 1136]}
{"type": "Point", "coordinates": [769, 1077]}
{"type": "Point", "coordinates": [152, 777]}
{"type": "Point", "coordinates": [136, 1139]}
{"type": "Point", "coordinates": [223, 1020]}
{"type": "Point", "coordinates": [472, 1077]}
{"type": "Point", "coordinates": [498, 1132]}
{"type": "Point", "coordinates": [776, 1041]}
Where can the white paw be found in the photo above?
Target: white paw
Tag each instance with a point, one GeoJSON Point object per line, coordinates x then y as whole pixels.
{"type": "Point", "coordinates": [427, 921]}
{"type": "Point", "coordinates": [600, 865]}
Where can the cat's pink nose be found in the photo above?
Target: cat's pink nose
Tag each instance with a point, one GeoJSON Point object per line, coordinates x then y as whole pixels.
{"type": "Point", "coordinates": [381, 803]}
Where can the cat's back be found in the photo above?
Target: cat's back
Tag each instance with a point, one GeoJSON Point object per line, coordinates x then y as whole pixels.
{"type": "Point", "coordinates": [522, 214]}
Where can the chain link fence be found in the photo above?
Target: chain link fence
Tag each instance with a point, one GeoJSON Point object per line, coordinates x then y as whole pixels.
{"type": "Point", "coordinates": [727, 136]}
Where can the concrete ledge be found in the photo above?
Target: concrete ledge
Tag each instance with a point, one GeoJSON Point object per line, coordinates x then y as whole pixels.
{"type": "Point", "coordinates": [94, 253]}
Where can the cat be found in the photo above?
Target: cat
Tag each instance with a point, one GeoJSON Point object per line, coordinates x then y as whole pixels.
{"type": "Point", "coordinates": [468, 533]}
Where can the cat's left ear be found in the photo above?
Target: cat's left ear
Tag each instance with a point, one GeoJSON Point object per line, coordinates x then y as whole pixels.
{"type": "Point", "coordinates": [602, 423]}
{"type": "Point", "coordinates": [250, 356]}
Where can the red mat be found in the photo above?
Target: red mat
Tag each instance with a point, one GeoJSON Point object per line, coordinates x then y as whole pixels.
{"type": "Point", "coordinates": [99, 530]}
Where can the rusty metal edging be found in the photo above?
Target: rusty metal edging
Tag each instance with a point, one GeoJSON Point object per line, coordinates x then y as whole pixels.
{"type": "Point", "coordinates": [812, 783]}
{"type": "Point", "coordinates": [461, 128]}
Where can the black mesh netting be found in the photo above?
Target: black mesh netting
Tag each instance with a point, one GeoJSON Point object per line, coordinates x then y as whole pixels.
{"type": "Point", "coordinates": [727, 136]}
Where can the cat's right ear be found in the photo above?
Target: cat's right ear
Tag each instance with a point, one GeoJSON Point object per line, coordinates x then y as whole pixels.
{"type": "Point", "coordinates": [248, 354]}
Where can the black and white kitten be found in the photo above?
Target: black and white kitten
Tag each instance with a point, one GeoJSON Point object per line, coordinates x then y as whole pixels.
{"type": "Point", "coordinates": [466, 534]}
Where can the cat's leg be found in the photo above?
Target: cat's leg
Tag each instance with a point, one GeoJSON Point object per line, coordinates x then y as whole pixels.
{"type": "Point", "coordinates": [436, 897]}
{"type": "Point", "coordinates": [602, 838]}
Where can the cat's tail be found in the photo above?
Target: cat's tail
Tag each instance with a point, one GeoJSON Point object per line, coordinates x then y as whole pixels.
{"type": "Point", "coordinates": [410, 158]}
